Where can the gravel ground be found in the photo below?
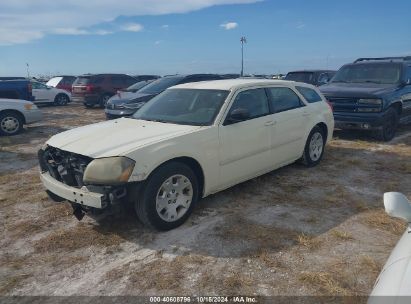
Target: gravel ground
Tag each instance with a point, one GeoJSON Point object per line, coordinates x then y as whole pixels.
{"type": "Point", "coordinates": [294, 231]}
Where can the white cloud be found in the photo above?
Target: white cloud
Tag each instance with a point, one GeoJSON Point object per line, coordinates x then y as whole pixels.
{"type": "Point", "coordinates": [300, 25]}
{"type": "Point", "coordinates": [229, 25]}
{"type": "Point", "coordinates": [165, 26]}
{"type": "Point", "coordinates": [157, 42]}
{"type": "Point", "coordinates": [132, 27]}
{"type": "Point", "coordinates": [22, 21]}
{"type": "Point", "coordinates": [70, 31]}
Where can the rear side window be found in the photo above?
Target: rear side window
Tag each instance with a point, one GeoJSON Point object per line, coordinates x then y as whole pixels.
{"type": "Point", "coordinates": [309, 94]}
{"type": "Point", "coordinates": [283, 99]}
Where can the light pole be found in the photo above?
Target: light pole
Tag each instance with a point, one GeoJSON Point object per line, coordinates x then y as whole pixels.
{"type": "Point", "coordinates": [28, 70]}
{"type": "Point", "coordinates": [243, 40]}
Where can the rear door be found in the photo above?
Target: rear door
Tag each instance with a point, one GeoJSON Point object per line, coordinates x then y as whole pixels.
{"type": "Point", "coordinates": [42, 93]}
{"type": "Point", "coordinates": [291, 117]}
{"type": "Point", "coordinates": [245, 147]}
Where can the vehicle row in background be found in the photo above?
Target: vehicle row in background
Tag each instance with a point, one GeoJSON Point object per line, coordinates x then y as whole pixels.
{"type": "Point", "coordinates": [314, 77]}
{"type": "Point", "coordinates": [126, 104]}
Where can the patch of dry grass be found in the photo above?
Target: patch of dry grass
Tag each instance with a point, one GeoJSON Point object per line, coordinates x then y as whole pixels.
{"type": "Point", "coordinates": [324, 282]}
{"type": "Point", "coordinates": [369, 264]}
{"type": "Point", "coordinates": [81, 236]}
{"type": "Point", "coordinates": [11, 282]}
{"type": "Point", "coordinates": [268, 259]}
{"type": "Point", "coordinates": [378, 219]}
{"type": "Point", "coordinates": [308, 241]}
{"type": "Point", "coordinates": [342, 235]}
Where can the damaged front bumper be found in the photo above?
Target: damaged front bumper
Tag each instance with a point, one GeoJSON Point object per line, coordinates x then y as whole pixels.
{"type": "Point", "coordinates": [90, 196]}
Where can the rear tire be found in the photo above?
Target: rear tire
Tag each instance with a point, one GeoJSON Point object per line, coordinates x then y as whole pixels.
{"type": "Point", "coordinates": [61, 100]}
{"type": "Point", "coordinates": [104, 99]}
{"type": "Point", "coordinates": [314, 147]}
{"type": "Point", "coordinates": [390, 125]}
{"type": "Point", "coordinates": [168, 196]}
{"type": "Point", "coordinates": [11, 123]}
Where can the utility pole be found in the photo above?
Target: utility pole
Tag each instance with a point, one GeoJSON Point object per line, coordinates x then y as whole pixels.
{"type": "Point", "coordinates": [28, 70]}
{"type": "Point", "coordinates": [243, 40]}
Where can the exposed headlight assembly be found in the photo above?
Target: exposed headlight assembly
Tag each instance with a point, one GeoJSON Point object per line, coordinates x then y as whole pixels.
{"type": "Point", "coordinates": [110, 170]}
{"type": "Point", "coordinates": [370, 105]}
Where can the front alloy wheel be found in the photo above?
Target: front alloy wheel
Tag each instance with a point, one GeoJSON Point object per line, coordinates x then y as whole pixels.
{"type": "Point", "coordinates": [168, 196]}
{"type": "Point", "coordinates": [314, 147]}
{"type": "Point", "coordinates": [10, 123]}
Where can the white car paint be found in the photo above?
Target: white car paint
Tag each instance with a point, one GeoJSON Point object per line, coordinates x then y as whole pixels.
{"type": "Point", "coordinates": [395, 277]}
{"type": "Point", "coordinates": [47, 94]}
{"type": "Point", "coordinates": [25, 108]}
{"type": "Point", "coordinates": [227, 154]}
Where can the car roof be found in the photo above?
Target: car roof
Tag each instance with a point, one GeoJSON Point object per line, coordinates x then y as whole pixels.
{"type": "Point", "coordinates": [312, 71]}
{"type": "Point", "coordinates": [230, 84]}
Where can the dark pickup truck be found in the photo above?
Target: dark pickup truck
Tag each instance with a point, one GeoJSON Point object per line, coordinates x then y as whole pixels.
{"type": "Point", "coordinates": [372, 94]}
{"type": "Point", "coordinates": [15, 88]}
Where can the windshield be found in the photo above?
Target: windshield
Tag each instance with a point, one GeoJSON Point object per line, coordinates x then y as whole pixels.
{"type": "Point", "coordinates": [382, 73]}
{"type": "Point", "coordinates": [137, 86]}
{"type": "Point", "coordinates": [161, 84]}
{"type": "Point", "coordinates": [300, 76]}
{"type": "Point", "coordinates": [184, 106]}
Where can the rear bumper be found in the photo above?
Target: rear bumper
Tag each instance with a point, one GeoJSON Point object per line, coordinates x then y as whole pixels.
{"type": "Point", "coordinates": [83, 196]}
{"type": "Point", "coordinates": [86, 99]}
{"type": "Point", "coordinates": [369, 121]}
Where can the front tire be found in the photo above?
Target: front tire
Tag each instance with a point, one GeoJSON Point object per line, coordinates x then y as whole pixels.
{"type": "Point", "coordinates": [104, 99]}
{"type": "Point", "coordinates": [314, 147]}
{"type": "Point", "coordinates": [390, 125]}
{"type": "Point", "coordinates": [11, 123]}
{"type": "Point", "coordinates": [61, 100]}
{"type": "Point", "coordinates": [168, 196]}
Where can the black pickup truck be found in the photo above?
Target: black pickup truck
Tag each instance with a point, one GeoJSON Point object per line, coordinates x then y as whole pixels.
{"type": "Point", "coordinates": [372, 94]}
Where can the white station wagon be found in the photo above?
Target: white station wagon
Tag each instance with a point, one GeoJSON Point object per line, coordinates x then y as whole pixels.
{"type": "Point", "coordinates": [190, 141]}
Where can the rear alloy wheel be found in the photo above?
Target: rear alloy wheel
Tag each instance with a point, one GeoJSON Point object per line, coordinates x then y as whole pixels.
{"type": "Point", "coordinates": [11, 123]}
{"type": "Point", "coordinates": [61, 100]}
{"type": "Point", "coordinates": [168, 196]}
{"type": "Point", "coordinates": [314, 147]}
{"type": "Point", "coordinates": [390, 125]}
{"type": "Point", "coordinates": [104, 100]}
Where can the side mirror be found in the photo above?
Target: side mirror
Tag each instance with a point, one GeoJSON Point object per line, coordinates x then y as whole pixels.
{"type": "Point", "coordinates": [237, 115]}
{"type": "Point", "coordinates": [397, 205]}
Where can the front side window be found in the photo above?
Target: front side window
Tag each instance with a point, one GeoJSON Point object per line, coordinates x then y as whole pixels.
{"type": "Point", "coordinates": [283, 99]}
{"type": "Point", "coordinates": [254, 101]}
{"type": "Point", "coordinates": [38, 85]}
{"type": "Point", "coordinates": [309, 94]}
{"type": "Point", "coordinates": [184, 106]}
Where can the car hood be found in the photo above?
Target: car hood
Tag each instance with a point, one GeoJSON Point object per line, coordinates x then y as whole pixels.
{"type": "Point", "coordinates": [116, 137]}
{"type": "Point", "coordinates": [359, 90]}
{"type": "Point", "coordinates": [122, 97]}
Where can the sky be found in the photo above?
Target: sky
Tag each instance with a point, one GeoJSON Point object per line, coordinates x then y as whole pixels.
{"type": "Point", "coordinates": [162, 37]}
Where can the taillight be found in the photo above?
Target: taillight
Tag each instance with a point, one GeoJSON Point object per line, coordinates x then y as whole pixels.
{"type": "Point", "coordinates": [89, 88]}
{"type": "Point", "coordinates": [330, 105]}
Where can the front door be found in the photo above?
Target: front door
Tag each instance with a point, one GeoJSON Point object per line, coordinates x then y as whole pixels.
{"type": "Point", "coordinates": [245, 146]}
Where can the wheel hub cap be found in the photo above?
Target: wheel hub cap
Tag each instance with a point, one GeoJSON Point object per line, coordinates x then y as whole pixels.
{"type": "Point", "coordinates": [9, 124]}
{"type": "Point", "coordinates": [316, 146]}
{"type": "Point", "coordinates": [174, 198]}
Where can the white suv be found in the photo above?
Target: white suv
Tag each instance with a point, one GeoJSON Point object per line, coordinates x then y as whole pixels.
{"type": "Point", "coordinates": [188, 142]}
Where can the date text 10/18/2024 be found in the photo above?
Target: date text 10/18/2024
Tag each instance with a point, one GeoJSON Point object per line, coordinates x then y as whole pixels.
{"type": "Point", "coordinates": [214, 299]}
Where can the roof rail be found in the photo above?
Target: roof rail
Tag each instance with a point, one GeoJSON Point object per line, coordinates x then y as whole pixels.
{"type": "Point", "coordinates": [405, 58]}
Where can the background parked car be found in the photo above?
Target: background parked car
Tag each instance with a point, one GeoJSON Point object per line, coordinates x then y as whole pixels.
{"type": "Point", "coordinates": [314, 77]}
{"type": "Point", "coordinates": [15, 113]}
{"type": "Point", "coordinates": [47, 94]}
{"type": "Point", "coordinates": [16, 89]}
{"type": "Point", "coordinates": [97, 89]}
{"type": "Point", "coordinates": [62, 82]}
{"type": "Point", "coordinates": [372, 94]}
{"type": "Point", "coordinates": [129, 105]}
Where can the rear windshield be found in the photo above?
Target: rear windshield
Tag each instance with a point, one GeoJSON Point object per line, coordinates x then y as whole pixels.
{"type": "Point", "coordinates": [307, 77]}
{"type": "Point", "coordinates": [83, 80]}
{"type": "Point", "coordinates": [161, 84]}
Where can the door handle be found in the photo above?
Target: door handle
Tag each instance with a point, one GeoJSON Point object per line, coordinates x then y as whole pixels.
{"type": "Point", "coordinates": [270, 123]}
{"type": "Point", "coordinates": [306, 113]}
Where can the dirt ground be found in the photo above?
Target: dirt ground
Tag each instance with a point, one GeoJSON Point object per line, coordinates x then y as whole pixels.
{"type": "Point", "coordinates": [295, 231]}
